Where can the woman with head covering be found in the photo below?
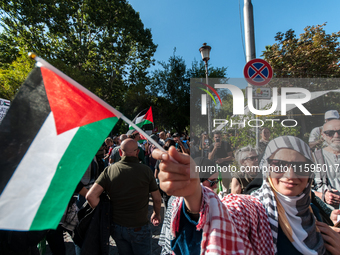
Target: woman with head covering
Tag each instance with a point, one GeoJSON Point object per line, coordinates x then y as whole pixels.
{"type": "Point", "coordinates": [287, 226]}
{"type": "Point", "coordinates": [286, 196]}
{"type": "Point", "coordinates": [247, 159]}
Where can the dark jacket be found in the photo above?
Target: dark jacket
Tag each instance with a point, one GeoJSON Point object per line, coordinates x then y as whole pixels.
{"type": "Point", "coordinates": [96, 238]}
{"type": "Point", "coordinates": [20, 242]}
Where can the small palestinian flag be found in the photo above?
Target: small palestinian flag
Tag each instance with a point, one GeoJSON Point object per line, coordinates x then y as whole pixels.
{"type": "Point", "coordinates": [142, 120]}
{"type": "Point", "coordinates": [49, 136]}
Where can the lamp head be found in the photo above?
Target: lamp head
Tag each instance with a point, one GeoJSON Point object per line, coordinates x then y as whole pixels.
{"type": "Point", "coordinates": [205, 52]}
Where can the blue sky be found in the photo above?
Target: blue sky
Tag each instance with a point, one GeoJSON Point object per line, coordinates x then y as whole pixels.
{"type": "Point", "coordinates": [187, 24]}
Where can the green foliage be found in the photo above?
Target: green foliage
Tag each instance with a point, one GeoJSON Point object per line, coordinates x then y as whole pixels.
{"type": "Point", "coordinates": [198, 122]}
{"type": "Point", "coordinates": [197, 70]}
{"type": "Point", "coordinates": [310, 61]}
{"type": "Point", "coordinates": [313, 54]}
{"type": "Point", "coordinates": [101, 44]}
{"type": "Point", "coordinates": [227, 107]}
{"type": "Point", "coordinates": [171, 86]}
{"type": "Point", "coordinates": [240, 137]}
{"type": "Point", "coordinates": [14, 75]}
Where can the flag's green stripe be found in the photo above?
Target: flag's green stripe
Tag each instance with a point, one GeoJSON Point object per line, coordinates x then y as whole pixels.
{"type": "Point", "coordinates": [144, 122]}
{"type": "Point", "coordinates": [70, 170]}
{"type": "Point", "coordinates": [141, 124]}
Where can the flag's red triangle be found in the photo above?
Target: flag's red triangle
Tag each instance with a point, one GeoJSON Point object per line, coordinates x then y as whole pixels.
{"type": "Point", "coordinates": [70, 106]}
{"type": "Point", "coordinates": [148, 115]}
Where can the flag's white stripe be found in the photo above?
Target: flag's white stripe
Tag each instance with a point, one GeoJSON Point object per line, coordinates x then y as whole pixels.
{"type": "Point", "coordinates": [140, 119]}
{"type": "Point", "coordinates": [24, 192]}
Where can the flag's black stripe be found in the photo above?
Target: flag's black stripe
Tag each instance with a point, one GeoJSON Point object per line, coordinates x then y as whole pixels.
{"type": "Point", "coordinates": [27, 113]}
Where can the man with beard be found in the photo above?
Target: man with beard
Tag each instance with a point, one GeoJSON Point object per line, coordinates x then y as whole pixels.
{"type": "Point", "coordinates": [327, 170]}
{"type": "Point", "coordinates": [316, 140]}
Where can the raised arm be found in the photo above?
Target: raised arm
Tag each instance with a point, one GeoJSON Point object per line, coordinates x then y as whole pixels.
{"type": "Point", "coordinates": [177, 177]}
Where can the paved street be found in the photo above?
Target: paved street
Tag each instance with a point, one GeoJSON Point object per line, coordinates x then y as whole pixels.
{"type": "Point", "coordinates": [113, 249]}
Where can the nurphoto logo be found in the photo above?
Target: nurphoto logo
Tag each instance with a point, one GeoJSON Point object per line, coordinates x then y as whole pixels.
{"type": "Point", "coordinates": [238, 100]}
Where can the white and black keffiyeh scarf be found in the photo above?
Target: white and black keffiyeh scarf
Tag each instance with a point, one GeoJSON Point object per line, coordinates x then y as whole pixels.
{"type": "Point", "coordinates": [166, 236]}
{"type": "Point", "coordinates": [301, 221]}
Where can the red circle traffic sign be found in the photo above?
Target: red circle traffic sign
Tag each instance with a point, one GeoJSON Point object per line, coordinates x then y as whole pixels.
{"type": "Point", "coordinates": [258, 72]}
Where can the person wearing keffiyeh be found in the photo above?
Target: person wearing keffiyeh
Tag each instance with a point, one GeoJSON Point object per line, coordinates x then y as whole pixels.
{"type": "Point", "coordinates": [239, 224]}
{"type": "Point", "coordinates": [235, 225]}
{"type": "Point", "coordinates": [286, 195]}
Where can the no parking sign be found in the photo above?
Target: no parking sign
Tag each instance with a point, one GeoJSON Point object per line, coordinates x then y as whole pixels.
{"type": "Point", "coordinates": [258, 72]}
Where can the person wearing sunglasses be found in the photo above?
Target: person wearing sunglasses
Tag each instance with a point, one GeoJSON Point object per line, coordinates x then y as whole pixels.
{"type": "Point", "coordinates": [287, 166]}
{"type": "Point", "coordinates": [327, 183]}
{"type": "Point", "coordinates": [316, 140]}
{"type": "Point", "coordinates": [247, 159]}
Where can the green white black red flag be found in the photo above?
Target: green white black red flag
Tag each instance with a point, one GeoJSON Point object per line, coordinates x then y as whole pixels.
{"type": "Point", "coordinates": [49, 136]}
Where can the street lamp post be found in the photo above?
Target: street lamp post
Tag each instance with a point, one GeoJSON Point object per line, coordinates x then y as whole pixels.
{"type": "Point", "coordinates": [205, 53]}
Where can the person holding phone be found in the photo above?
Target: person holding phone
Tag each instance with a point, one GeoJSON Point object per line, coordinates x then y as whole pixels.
{"type": "Point", "coordinates": [180, 146]}
{"type": "Point", "coordinates": [220, 151]}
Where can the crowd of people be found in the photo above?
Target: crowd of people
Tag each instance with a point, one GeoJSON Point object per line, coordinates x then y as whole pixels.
{"type": "Point", "coordinates": [280, 198]}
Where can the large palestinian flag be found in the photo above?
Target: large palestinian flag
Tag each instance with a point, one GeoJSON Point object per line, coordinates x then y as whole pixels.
{"type": "Point", "coordinates": [49, 136]}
